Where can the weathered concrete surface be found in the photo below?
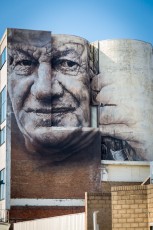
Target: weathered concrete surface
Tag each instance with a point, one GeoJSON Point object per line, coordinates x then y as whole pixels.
{"type": "Point", "coordinates": [125, 86]}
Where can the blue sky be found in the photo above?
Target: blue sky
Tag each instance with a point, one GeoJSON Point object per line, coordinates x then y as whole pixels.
{"type": "Point", "coordinates": [92, 19]}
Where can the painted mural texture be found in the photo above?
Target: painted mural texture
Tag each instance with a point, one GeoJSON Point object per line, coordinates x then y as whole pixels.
{"type": "Point", "coordinates": [49, 89]}
{"type": "Point", "coordinates": [54, 81]}
{"type": "Point", "coordinates": [122, 90]}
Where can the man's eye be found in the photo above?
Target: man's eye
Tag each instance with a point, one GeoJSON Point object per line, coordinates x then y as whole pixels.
{"type": "Point", "coordinates": [64, 63]}
{"type": "Point", "coordinates": [25, 63]}
{"type": "Point", "coordinates": [66, 66]}
{"type": "Point", "coordinates": [67, 63]}
{"type": "Point", "coordinates": [25, 66]}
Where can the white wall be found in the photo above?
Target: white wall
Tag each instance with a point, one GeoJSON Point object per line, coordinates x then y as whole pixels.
{"type": "Point", "coordinates": [125, 171]}
{"type": "Point", "coordinates": [66, 222]}
{"type": "Point", "coordinates": [4, 149]}
{"type": "Point", "coordinates": [3, 83]}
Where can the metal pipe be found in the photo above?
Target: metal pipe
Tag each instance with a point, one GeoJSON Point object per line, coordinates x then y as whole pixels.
{"type": "Point", "coordinates": [95, 225]}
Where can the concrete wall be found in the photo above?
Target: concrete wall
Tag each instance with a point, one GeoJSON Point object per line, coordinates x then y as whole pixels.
{"type": "Point", "coordinates": [125, 171]}
{"type": "Point", "coordinates": [123, 90]}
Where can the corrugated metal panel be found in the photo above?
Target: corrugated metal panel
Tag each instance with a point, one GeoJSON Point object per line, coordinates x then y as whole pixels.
{"type": "Point", "coordinates": [66, 222]}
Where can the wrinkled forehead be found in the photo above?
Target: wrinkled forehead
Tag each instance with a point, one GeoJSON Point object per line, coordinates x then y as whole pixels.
{"type": "Point", "coordinates": [29, 43]}
{"type": "Point", "coordinates": [38, 43]}
{"type": "Point", "coordinates": [69, 43]}
{"type": "Point", "coordinates": [28, 37]}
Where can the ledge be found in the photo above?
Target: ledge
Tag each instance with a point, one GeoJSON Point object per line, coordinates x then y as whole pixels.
{"type": "Point", "coordinates": [134, 163]}
{"type": "Point", "coordinates": [128, 188]}
{"type": "Point", "coordinates": [98, 194]}
{"type": "Point", "coordinates": [47, 202]}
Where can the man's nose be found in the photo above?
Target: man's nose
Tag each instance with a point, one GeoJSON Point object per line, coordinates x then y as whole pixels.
{"type": "Point", "coordinates": [41, 88]}
{"type": "Point", "coordinates": [46, 85]}
{"type": "Point", "coordinates": [56, 88]}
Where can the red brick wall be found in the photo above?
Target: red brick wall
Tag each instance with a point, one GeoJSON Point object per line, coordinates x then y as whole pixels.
{"type": "Point", "coordinates": [28, 213]}
{"type": "Point", "coordinates": [18, 214]}
{"type": "Point", "coordinates": [33, 177]}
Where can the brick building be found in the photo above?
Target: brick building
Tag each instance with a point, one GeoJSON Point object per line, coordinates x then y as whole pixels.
{"type": "Point", "coordinates": [28, 190]}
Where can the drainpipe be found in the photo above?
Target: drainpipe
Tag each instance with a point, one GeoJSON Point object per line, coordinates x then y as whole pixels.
{"type": "Point", "coordinates": [95, 225]}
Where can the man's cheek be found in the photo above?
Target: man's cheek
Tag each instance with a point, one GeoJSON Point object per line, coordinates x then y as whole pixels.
{"type": "Point", "coordinates": [70, 119]}
{"type": "Point", "coordinates": [27, 121]}
{"type": "Point", "coordinates": [20, 87]}
{"type": "Point", "coordinates": [74, 84]}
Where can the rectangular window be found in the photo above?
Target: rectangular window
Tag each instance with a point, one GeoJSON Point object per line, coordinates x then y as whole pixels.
{"type": "Point", "coordinates": [2, 136]}
{"type": "Point", "coordinates": [3, 105]}
{"type": "Point", "coordinates": [2, 184]}
{"type": "Point", "coordinates": [3, 58]}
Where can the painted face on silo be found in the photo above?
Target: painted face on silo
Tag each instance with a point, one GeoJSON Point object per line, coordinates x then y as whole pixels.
{"type": "Point", "coordinates": [70, 82]}
{"type": "Point", "coordinates": [48, 84]}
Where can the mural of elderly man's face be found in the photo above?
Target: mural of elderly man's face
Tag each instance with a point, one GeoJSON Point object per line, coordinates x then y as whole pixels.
{"type": "Point", "coordinates": [48, 84]}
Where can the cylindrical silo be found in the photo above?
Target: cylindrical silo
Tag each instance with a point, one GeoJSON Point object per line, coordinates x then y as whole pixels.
{"type": "Point", "coordinates": [124, 88]}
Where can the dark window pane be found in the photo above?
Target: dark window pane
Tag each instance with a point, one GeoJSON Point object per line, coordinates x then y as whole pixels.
{"type": "Point", "coordinates": [2, 184]}
{"type": "Point", "coordinates": [2, 136]}
{"type": "Point", "coordinates": [3, 105]}
{"type": "Point", "coordinates": [3, 58]}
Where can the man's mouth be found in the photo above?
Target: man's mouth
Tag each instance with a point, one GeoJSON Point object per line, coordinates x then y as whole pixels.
{"type": "Point", "coordinates": [62, 109]}
{"type": "Point", "coordinates": [52, 110]}
{"type": "Point", "coordinates": [48, 117]}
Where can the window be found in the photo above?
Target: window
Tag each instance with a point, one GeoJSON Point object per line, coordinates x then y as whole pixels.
{"type": "Point", "coordinates": [3, 105]}
{"type": "Point", "coordinates": [2, 136]}
{"type": "Point", "coordinates": [2, 184]}
{"type": "Point", "coordinates": [3, 58]}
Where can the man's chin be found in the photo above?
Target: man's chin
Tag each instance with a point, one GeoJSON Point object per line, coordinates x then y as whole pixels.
{"type": "Point", "coordinates": [61, 140]}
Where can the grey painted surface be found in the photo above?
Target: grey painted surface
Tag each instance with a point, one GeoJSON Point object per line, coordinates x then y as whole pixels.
{"type": "Point", "coordinates": [125, 95]}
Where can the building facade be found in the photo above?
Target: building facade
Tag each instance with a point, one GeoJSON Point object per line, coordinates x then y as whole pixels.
{"type": "Point", "coordinates": [75, 117]}
{"type": "Point", "coordinates": [5, 157]}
